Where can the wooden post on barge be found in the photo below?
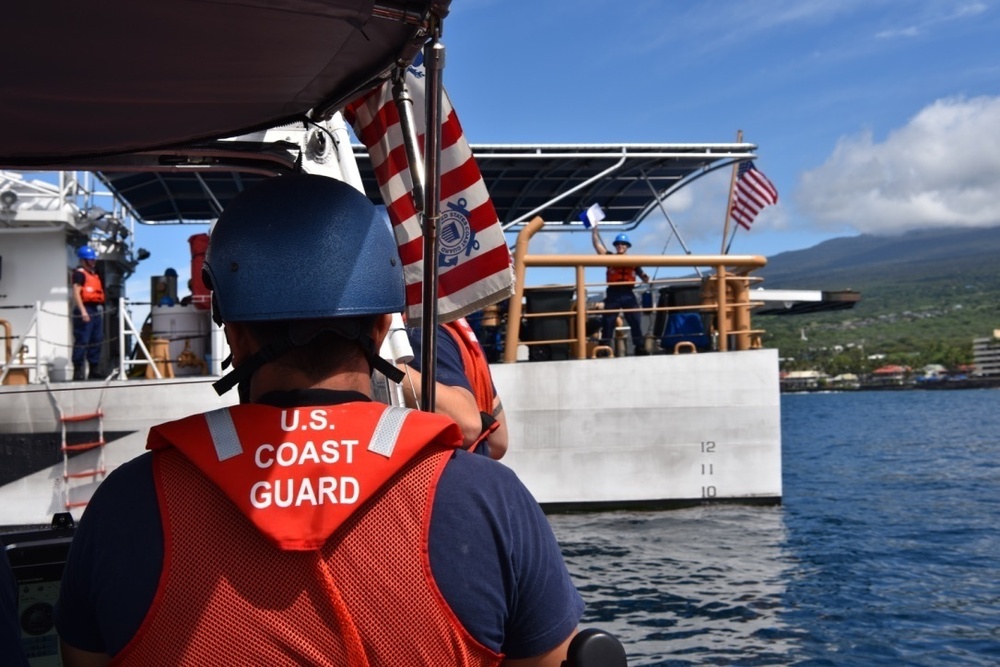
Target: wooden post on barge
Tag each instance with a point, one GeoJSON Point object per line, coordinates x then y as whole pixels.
{"type": "Point", "coordinates": [721, 323]}
{"type": "Point", "coordinates": [511, 340]}
{"type": "Point", "coordinates": [581, 314]}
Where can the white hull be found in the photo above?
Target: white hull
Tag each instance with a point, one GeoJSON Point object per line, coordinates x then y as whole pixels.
{"type": "Point", "coordinates": [128, 406]}
{"type": "Point", "coordinates": [656, 431]}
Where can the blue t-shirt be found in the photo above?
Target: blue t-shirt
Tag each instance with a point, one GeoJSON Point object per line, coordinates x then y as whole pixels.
{"type": "Point", "coordinates": [522, 604]}
{"type": "Point", "coordinates": [449, 369]}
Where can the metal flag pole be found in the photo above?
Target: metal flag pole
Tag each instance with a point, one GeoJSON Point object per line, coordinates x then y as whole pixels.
{"type": "Point", "coordinates": [434, 65]}
{"type": "Point", "coordinates": [729, 202]}
{"type": "Point", "coordinates": [732, 237]}
{"type": "Point", "coordinates": [404, 106]}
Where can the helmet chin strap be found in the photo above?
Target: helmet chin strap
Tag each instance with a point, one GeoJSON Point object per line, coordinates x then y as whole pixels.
{"type": "Point", "coordinates": [300, 335]}
{"type": "Point", "coordinates": [378, 363]}
{"type": "Point", "coordinates": [245, 370]}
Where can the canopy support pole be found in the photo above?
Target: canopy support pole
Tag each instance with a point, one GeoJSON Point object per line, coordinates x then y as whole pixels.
{"type": "Point", "coordinates": [663, 209]}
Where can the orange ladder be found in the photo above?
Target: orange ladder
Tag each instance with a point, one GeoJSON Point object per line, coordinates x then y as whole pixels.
{"type": "Point", "coordinates": [98, 471]}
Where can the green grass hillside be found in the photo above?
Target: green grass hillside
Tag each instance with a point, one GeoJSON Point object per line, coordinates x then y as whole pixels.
{"type": "Point", "coordinates": [924, 296]}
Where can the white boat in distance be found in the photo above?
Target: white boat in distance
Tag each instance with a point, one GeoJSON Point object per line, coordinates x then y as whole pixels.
{"type": "Point", "coordinates": [696, 421]}
{"type": "Point", "coordinates": [586, 433]}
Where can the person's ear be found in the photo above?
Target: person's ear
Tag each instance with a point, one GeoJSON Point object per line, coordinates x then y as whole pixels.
{"type": "Point", "coordinates": [241, 343]}
{"type": "Point", "coordinates": [381, 329]}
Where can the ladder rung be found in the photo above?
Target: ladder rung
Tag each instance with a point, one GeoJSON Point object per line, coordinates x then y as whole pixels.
{"type": "Point", "coordinates": [84, 417]}
{"type": "Point", "coordinates": [84, 473]}
{"type": "Point", "coordinates": [83, 446]}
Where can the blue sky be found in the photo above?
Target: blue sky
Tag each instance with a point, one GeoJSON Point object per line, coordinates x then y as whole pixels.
{"type": "Point", "coordinates": [870, 116]}
{"type": "Point", "coordinates": [873, 116]}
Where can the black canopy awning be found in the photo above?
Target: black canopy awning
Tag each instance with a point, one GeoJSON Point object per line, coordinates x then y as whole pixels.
{"type": "Point", "coordinates": [142, 93]}
{"type": "Point", "coordinates": [556, 182]}
{"type": "Point", "coordinates": [119, 76]}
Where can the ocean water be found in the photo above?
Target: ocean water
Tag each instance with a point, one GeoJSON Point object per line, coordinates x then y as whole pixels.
{"type": "Point", "coordinates": [885, 550]}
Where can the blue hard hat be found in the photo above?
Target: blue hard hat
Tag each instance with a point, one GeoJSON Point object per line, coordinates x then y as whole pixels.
{"type": "Point", "coordinates": [622, 238]}
{"type": "Point", "coordinates": [86, 252]}
{"type": "Point", "coordinates": [302, 247]}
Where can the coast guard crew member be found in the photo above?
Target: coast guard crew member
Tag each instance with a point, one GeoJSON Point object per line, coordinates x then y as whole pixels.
{"type": "Point", "coordinates": [312, 525]}
{"type": "Point", "coordinates": [88, 325]}
{"type": "Point", "coordinates": [465, 390]}
{"type": "Point", "coordinates": [620, 294]}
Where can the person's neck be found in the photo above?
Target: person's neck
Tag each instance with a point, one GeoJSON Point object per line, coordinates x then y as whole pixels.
{"type": "Point", "coordinates": [271, 378]}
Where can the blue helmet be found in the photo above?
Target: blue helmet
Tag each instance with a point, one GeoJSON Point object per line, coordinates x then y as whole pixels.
{"type": "Point", "coordinates": [622, 238]}
{"type": "Point", "coordinates": [86, 252]}
{"type": "Point", "coordinates": [302, 247]}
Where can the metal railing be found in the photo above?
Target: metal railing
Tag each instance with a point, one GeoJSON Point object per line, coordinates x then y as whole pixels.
{"type": "Point", "coordinates": [728, 309]}
{"type": "Point", "coordinates": [22, 360]}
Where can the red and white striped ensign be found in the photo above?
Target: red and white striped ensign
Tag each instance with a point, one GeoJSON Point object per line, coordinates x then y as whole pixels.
{"type": "Point", "coordinates": [474, 264]}
{"type": "Point", "coordinates": [752, 193]}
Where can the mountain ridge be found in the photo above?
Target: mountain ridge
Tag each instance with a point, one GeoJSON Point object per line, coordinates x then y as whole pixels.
{"type": "Point", "coordinates": [835, 263]}
{"type": "Point", "coordinates": [924, 296]}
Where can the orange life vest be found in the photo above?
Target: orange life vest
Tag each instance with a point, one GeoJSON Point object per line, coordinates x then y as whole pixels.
{"type": "Point", "coordinates": [621, 274]}
{"type": "Point", "coordinates": [477, 370]}
{"type": "Point", "coordinates": [93, 290]}
{"type": "Point", "coordinates": [299, 536]}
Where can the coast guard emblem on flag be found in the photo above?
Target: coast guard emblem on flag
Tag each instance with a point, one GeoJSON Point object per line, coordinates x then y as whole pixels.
{"type": "Point", "coordinates": [474, 265]}
{"type": "Point", "coordinates": [455, 235]}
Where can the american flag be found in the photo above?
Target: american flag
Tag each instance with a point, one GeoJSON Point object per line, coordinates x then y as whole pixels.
{"type": "Point", "coordinates": [752, 193]}
{"type": "Point", "coordinates": [474, 264]}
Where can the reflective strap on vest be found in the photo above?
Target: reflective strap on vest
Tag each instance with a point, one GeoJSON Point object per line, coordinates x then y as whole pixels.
{"type": "Point", "coordinates": [223, 431]}
{"type": "Point", "coordinates": [387, 431]}
{"type": "Point", "coordinates": [227, 442]}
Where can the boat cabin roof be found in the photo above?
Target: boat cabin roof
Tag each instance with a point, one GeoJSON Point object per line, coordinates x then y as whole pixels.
{"type": "Point", "coordinates": [556, 181]}
{"type": "Point", "coordinates": [559, 181]}
{"type": "Point", "coordinates": [93, 80]}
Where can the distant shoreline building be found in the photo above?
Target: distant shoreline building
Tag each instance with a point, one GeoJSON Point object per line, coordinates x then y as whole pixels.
{"type": "Point", "coordinates": [801, 380]}
{"type": "Point", "coordinates": [986, 355]}
{"type": "Point", "coordinates": [891, 375]}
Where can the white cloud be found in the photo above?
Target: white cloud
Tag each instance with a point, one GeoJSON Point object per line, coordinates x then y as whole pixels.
{"type": "Point", "coordinates": [909, 31]}
{"type": "Point", "coordinates": [682, 200]}
{"type": "Point", "coordinates": [935, 15]}
{"type": "Point", "coordinates": [698, 212]}
{"type": "Point", "coordinates": [700, 32]}
{"type": "Point", "coordinates": [940, 169]}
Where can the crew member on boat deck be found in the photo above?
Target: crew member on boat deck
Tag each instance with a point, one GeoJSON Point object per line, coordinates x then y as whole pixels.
{"type": "Point", "coordinates": [620, 294]}
{"type": "Point", "coordinates": [88, 325]}
{"type": "Point", "coordinates": [464, 388]}
{"type": "Point", "coordinates": [312, 525]}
